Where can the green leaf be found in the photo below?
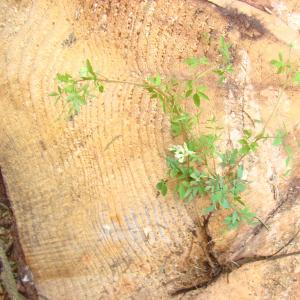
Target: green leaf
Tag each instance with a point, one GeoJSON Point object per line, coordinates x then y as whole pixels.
{"type": "Point", "coordinates": [196, 158]}
{"type": "Point", "coordinates": [63, 77]}
{"type": "Point", "coordinates": [239, 200]}
{"type": "Point", "coordinates": [99, 86]}
{"type": "Point", "coordinates": [69, 89]}
{"type": "Point", "coordinates": [173, 172]}
{"type": "Point", "coordinates": [240, 187]}
{"type": "Point", "coordinates": [276, 63]}
{"type": "Point", "coordinates": [192, 194]}
{"type": "Point", "coordinates": [224, 202]}
{"type": "Point", "coordinates": [245, 150]}
{"type": "Point", "coordinates": [221, 73]}
{"type": "Point", "coordinates": [53, 94]}
{"type": "Point", "coordinates": [191, 61]}
{"type": "Point", "coordinates": [232, 221]}
{"type": "Point", "coordinates": [89, 66]}
{"type": "Point", "coordinates": [207, 144]}
{"type": "Point", "coordinates": [297, 77]}
{"type": "Point", "coordinates": [247, 133]}
{"type": "Point", "coordinates": [202, 95]}
{"type": "Point", "coordinates": [287, 172]}
{"type": "Point", "coordinates": [289, 151]}
{"type": "Point", "coordinates": [156, 80]}
{"type": "Point", "coordinates": [196, 61]}
{"type": "Point", "coordinates": [228, 220]}
{"type": "Point", "coordinates": [195, 174]}
{"type": "Point", "coordinates": [280, 64]}
{"type": "Point", "coordinates": [203, 60]}
{"type": "Point", "coordinates": [235, 216]}
{"type": "Point", "coordinates": [188, 93]}
{"type": "Point", "coordinates": [229, 157]}
{"type": "Point", "coordinates": [189, 84]}
{"type": "Point", "coordinates": [247, 215]}
{"type": "Point", "coordinates": [175, 128]}
{"type": "Point", "coordinates": [84, 74]}
{"type": "Point", "coordinates": [224, 49]}
{"type": "Point", "coordinates": [240, 171]}
{"type": "Point", "coordinates": [172, 163]}
{"type": "Point", "coordinates": [196, 99]}
{"type": "Point", "coordinates": [279, 137]}
{"type": "Point", "coordinates": [209, 209]}
{"type": "Point", "coordinates": [90, 69]}
{"type": "Point", "coordinates": [181, 191]}
{"type": "Point", "coordinates": [162, 187]}
{"type": "Point", "coordinates": [277, 141]}
{"type": "Point", "coordinates": [229, 68]}
{"type": "Point", "coordinates": [216, 197]}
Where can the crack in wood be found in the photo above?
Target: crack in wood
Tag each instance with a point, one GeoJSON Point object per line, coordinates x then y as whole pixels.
{"type": "Point", "coordinates": [216, 269]}
{"type": "Point", "coordinates": [275, 255]}
{"type": "Point", "coordinates": [11, 252]}
{"type": "Point", "coordinates": [293, 191]}
{"type": "Point", "coordinates": [112, 141]}
{"type": "Point", "coordinates": [227, 268]}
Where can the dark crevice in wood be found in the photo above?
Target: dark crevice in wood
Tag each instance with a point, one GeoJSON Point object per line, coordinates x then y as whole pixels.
{"type": "Point", "coordinates": [14, 250]}
{"type": "Point", "coordinates": [229, 267]}
{"type": "Point", "coordinates": [216, 269]}
{"type": "Point", "coordinates": [293, 191]}
{"type": "Point", "coordinates": [275, 255]}
{"type": "Point", "coordinates": [248, 26]}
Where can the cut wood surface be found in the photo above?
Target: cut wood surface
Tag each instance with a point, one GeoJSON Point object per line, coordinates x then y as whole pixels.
{"type": "Point", "coordinates": [83, 191]}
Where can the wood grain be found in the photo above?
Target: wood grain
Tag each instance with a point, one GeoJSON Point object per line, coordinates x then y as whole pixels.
{"type": "Point", "coordinates": [83, 191]}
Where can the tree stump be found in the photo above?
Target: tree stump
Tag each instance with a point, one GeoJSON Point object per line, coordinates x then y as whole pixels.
{"type": "Point", "coordinates": [83, 191]}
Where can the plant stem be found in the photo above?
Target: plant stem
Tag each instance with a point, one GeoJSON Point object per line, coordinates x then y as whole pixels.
{"type": "Point", "coordinates": [275, 108]}
{"type": "Point", "coordinates": [259, 137]}
{"type": "Point", "coordinates": [123, 82]}
{"type": "Point", "coordinates": [114, 81]}
{"type": "Point", "coordinates": [280, 94]}
{"type": "Point", "coordinates": [205, 72]}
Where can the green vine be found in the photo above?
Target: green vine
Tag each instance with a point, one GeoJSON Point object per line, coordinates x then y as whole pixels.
{"type": "Point", "coordinates": [198, 167]}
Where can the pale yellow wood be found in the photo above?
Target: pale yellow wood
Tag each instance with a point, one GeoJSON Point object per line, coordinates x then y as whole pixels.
{"type": "Point", "coordinates": [83, 192]}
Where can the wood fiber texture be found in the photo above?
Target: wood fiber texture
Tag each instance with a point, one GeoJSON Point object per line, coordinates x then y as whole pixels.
{"type": "Point", "coordinates": [83, 192]}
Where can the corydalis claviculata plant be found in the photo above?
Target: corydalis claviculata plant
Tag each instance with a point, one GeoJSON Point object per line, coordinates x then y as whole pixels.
{"type": "Point", "coordinates": [198, 167]}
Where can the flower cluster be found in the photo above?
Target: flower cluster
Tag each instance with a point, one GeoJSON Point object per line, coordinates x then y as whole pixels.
{"type": "Point", "coordinates": [181, 152]}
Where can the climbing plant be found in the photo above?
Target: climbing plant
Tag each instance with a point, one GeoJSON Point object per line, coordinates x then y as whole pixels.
{"type": "Point", "coordinates": [199, 166]}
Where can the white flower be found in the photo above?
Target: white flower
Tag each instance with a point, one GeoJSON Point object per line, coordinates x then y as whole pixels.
{"type": "Point", "coordinates": [180, 152]}
{"type": "Point", "coordinates": [187, 151]}
{"type": "Point", "coordinates": [180, 157]}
